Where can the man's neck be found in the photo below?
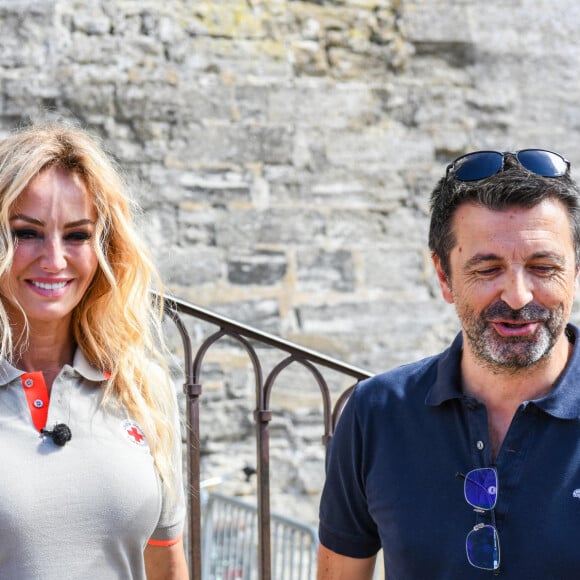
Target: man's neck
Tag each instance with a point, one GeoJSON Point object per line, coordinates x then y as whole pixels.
{"type": "Point", "coordinates": [497, 387]}
{"type": "Point", "coordinates": [503, 391]}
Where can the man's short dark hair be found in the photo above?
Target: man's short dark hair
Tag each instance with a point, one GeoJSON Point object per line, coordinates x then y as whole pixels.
{"type": "Point", "coordinates": [514, 186]}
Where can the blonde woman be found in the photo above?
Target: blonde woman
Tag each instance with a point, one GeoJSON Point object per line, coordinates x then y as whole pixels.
{"type": "Point", "coordinates": [90, 483]}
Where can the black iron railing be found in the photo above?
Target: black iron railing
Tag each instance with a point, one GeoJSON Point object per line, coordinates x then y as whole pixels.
{"type": "Point", "coordinates": [248, 338]}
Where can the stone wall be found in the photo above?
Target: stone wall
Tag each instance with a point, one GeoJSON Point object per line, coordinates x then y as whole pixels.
{"type": "Point", "coordinates": [283, 152]}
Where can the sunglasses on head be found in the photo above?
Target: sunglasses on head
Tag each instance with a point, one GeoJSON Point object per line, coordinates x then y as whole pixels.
{"type": "Point", "coordinates": [482, 164]}
{"type": "Point", "coordinates": [482, 542]}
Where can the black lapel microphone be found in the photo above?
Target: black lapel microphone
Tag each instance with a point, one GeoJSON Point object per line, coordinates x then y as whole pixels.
{"type": "Point", "coordinates": [60, 434]}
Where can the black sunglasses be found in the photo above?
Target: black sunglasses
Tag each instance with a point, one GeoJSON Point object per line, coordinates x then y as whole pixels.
{"type": "Point", "coordinates": [482, 542]}
{"type": "Point", "coordinates": [482, 164]}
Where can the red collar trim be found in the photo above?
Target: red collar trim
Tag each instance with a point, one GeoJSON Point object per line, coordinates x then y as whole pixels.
{"type": "Point", "coordinates": [37, 397]}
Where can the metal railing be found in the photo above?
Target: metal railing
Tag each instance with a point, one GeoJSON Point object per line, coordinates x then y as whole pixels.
{"type": "Point", "coordinates": [229, 545]}
{"type": "Point", "coordinates": [248, 338]}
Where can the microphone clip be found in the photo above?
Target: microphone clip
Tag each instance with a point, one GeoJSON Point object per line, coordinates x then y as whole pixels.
{"type": "Point", "coordinates": [61, 434]}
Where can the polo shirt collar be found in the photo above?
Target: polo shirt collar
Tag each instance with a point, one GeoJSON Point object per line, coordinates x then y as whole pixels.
{"type": "Point", "coordinates": [563, 401]}
{"type": "Point", "coordinates": [81, 365]}
{"type": "Point", "coordinates": [8, 373]}
{"type": "Point", "coordinates": [447, 383]}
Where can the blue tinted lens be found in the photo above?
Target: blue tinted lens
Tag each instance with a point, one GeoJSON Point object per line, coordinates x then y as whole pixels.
{"type": "Point", "coordinates": [482, 546]}
{"type": "Point", "coordinates": [480, 165]}
{"type": "Point", "coordinates": [481, 488]}
{"type": "Point", "coordinates": [545, 163]}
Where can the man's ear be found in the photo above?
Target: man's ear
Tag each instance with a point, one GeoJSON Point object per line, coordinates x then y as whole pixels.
{"type": "Point", "coordinates": [443, 280]}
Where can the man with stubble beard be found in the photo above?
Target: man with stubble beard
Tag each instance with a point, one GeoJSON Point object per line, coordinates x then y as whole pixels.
{"type": "Point", "coordinates": [467, 464]}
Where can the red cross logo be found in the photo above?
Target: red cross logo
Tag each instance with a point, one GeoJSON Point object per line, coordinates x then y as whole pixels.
{"type": "Point", "coordinates": [134, 433]}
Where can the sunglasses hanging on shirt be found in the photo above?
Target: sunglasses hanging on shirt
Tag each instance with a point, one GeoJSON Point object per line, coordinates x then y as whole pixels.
{"type": "Point", "coordinates": [482, 542]}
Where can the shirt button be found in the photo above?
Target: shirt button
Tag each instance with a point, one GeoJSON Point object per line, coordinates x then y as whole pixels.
{"type": "Point", "coordinates": [28, 383]}
{"type": "Point", "coordinates": [38, 403]}
{"type": "Point", "coordinates": [480, 445]}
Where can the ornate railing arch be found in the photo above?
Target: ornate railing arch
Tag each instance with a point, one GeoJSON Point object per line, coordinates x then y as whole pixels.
{"type": "Point", "coordinates": [175, 309]}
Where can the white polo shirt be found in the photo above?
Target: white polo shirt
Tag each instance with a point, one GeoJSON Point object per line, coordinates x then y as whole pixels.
{"type": "Point", "coordinates": [86, 509]}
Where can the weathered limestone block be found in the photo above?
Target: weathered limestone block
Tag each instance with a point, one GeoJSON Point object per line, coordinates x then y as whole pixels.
{"type": "Point", "coordinates": [263, 268]}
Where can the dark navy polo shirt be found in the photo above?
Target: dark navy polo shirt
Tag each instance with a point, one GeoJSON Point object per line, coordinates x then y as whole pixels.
{"type": "Point", "coordinates": [392, 465]}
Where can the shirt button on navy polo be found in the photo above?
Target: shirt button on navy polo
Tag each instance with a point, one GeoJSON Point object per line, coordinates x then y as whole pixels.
{"type": "Point", "coordinates": [480, 445]}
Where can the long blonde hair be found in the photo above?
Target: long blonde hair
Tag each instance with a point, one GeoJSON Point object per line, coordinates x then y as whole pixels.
{"type": "Point", "coordinates": [117, 325]}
